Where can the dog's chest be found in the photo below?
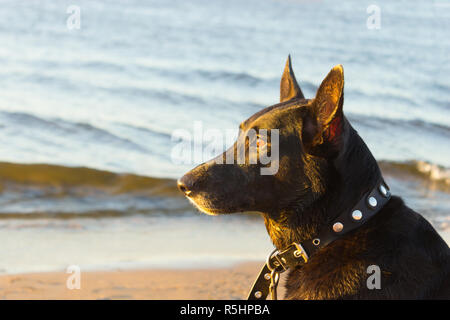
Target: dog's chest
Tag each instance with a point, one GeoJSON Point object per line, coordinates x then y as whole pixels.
{"type": "Point", "coordinates": [324, 281]}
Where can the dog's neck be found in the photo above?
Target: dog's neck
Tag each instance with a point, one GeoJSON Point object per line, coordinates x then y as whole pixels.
{"type": "Point", "coordinates": [345, 179]}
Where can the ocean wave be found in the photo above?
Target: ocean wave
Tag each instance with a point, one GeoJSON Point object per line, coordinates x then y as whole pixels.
{"type": "Point", "coordinates": [411, 124]}
{"type": "Point", "coordinates": [66, 180]}
{"type": "Point", "coordinates": [43, 191]}
{"type": "Point", "coordinates": [433, 171]}
{"type": "Point", "coordinates": [57, 127]}
{"type": "Point", "coordinates": [92, 214]}
{"type": "Point", "coordinates": [211, 74]}
{"type": "Point", "coordinates": [150, 131]}
{"type": "Point", "coordinates": [165, 95]}
{"type": "Point", "coordinates": [235, 77]}
{"type": "Point", "coordinates": [75, 180]}
{"type": "Point", "coordinates": [437, 177]}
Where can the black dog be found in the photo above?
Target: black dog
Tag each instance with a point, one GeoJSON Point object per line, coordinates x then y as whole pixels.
{"type": "Point", "coordinates": [324, 168]}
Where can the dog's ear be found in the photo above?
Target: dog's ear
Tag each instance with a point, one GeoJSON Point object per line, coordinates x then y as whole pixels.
{"type": "Point", "coordinates": [289, 87]}
{"type": "Point", "coordinates": [323, 129]}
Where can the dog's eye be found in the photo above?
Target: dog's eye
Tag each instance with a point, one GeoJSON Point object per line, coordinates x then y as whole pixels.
{"type": "Point", "coordinates": [260, 142]}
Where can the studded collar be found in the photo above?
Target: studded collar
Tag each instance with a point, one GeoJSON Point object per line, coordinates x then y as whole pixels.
{"type": "Point", "coordinates": [298, 254]}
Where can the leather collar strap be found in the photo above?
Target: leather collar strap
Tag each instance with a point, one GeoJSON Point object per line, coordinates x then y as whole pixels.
{"type": "Point", "coordinates": [298, 254]}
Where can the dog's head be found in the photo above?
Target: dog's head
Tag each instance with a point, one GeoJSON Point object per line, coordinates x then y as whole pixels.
{"type": "Point", "coordinates": [300, 134]}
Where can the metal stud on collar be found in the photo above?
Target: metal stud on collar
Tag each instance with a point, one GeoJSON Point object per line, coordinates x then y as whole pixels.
{"type": "Point", "coordinates": [337, 227]}
{"type": "Point", "coordinates": [357, 215]}
{"type": "Point", "coordinates": [372, 202]}
{"type": "Point", "coordinates": [383, 191]}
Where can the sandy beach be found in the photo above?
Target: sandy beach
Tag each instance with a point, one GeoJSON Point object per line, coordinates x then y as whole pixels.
{"type": "Point", "coordinates": [106, 105]}
{"type": "Point", "coordinates": [225, 283]}
{"type": "Point", "coordinates": [231, 283]}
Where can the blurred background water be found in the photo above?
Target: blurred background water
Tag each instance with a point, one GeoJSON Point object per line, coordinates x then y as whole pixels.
{"type": "Point", "coordinates": [108, 96]}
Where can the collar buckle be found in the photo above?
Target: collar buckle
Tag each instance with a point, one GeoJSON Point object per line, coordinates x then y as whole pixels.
{"type": "Point", "coordinates": [275, 261]}
{"type": "Point", "coordinates": [295, 254]}
{"type": "Point", "coordinates": [283, 260]}
{"type": "Point", "coordinates": [300, 252]}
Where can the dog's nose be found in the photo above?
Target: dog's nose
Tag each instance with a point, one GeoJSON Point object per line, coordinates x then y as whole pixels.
{"type": "Point", "coordinates": [184, 185]}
